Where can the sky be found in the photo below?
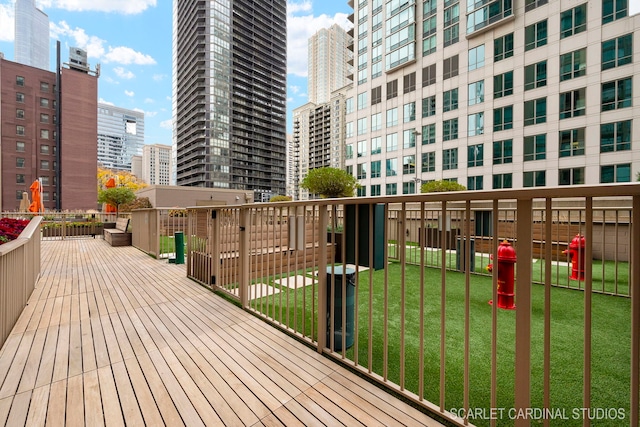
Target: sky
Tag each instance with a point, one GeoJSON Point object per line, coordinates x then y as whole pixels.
{"type": "Point", "coordinates": [131, 40]}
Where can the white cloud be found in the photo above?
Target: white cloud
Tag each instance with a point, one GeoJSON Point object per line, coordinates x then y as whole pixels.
{"type": "Point", "coordinates": [129, 93]}
{"type": "Point", "coordinates": [300, 28]}
{"type": "Point", "coordinates": [289, 99]}
{"type": "Point", "coordinates": [634, 7]}
{"type": "Point", "coordinates": [126, 55]}
{"type": "Point", "coordinates": [125, 7]}
{"type": "Point", "coordinates": [294, 89]}
{"type": "Point", "coordinates": [149, 101]}
{"type": "Point", "coordinates": [102, 101]}
{"type": "Point", "coordinates": [166, 124]}
{"type": "Point", "coordinates": [123, 74]}
{"type": "Point", "coordinates": [158, 77]}
{"type": "Point", "coordinates": [151, 113]}
{"type": "Point", "coordinates": [7, 22]}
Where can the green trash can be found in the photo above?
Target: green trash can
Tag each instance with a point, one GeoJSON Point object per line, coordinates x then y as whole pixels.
{"type": "Point", "coordinates": [334, 290]}
{"type": "Point", "coordinates": [179, 241]}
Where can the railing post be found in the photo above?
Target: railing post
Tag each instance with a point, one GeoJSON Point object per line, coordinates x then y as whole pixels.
{"type": "Point", "coordinates": [155, 237]}
{"type": "Point", "coordinates": [634, 287]}
{"type": "Point", "coordinates": [190, 234]}
{"type": "Point", "coordinates": [524, 235]}
{"type": "Point", "coordinates": [322, 277]}
{"type": "Point", "coordinates": [244, 275]}
{"type": "Point", "coordinates": [214, 247]}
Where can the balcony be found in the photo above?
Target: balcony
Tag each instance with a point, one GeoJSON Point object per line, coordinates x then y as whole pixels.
{"type": "Point", "coordinates": [111, 331]}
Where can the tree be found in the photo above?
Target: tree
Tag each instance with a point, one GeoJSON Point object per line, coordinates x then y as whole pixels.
{"type": "Point", "coordinates": [137, 203]}
{"type": "Point", "coordinates": [116, 196]}
{"type": "Point", "coordinates": [280, 198]}
{"type": "Point", "coordinates": [441, 186]}
{"type": "Point", "coordinates": [330, 183]}
{"type": "Point", "coordinates": [122, 178]}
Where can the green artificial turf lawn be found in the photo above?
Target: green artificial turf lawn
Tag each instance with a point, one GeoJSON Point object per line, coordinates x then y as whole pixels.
{"type": "Point", "coordinates": [610, 341]}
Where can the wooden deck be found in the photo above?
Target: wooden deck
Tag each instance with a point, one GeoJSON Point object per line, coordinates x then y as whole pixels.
{"type": "Point", "coordinates": [114, 337]}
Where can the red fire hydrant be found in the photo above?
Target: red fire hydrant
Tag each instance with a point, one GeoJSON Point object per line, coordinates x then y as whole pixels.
{"type": "Point", "coordinates": [576, 256]}
{"type": "Point", "coordinates": [506, 277]}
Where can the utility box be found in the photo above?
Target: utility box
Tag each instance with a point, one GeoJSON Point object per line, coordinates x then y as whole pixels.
{"type": "Point", "coordinates": [364, 223]}
{"type": "Point", "coordinates": [346, 326]}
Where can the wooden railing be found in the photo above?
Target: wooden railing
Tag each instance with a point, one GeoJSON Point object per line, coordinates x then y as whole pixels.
{"type": "Point", "coordinates": [19, 271]}
{"type": "Point", "coordinates": [153, 230]}
{"type": "Point", "coordinates": [418, 320]}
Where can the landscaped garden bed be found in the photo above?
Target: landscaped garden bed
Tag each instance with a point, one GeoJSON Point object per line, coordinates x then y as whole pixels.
{"type": "Point", "coordinates": [10, 228]}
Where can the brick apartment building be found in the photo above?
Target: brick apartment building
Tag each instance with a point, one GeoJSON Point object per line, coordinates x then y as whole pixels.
{"type": "Point", "coordinates": [28, 136]}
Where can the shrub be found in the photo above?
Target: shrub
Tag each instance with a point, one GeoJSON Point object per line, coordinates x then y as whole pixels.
{"type": "Point", "coordinates": [441, 186]}
{"type": "Point", "coordinates": [330, 183]}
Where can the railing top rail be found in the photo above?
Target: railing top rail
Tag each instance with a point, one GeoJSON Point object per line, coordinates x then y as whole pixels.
{"type": "Point", "coordinates": [31, 228]}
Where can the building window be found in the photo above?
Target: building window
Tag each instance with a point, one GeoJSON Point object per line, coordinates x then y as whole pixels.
{"type": "Point", "coordinates": [362, 171]}
{"type": "Point", "coordinates": [376, 145]}
{"type": "Point", "coordinates": [429, 161]}
{"type": "Point", "coordinates": [450, 67]}
{"type": "Point", "coordinates": [409, 83]}
{"type": "Point", "coordinates": [44, 102]}
{"type": "Point", "coordinates": [349, 129]}
{"type": "Point", "coordinates": [532, 4]}
{"type": "Point", "coordinates": [535, 147]}
{"type": "Point", "coordinates": [409, 164]}
{"type": "Point", "coordinates": [617, 52]}
{"type": "Point", "coordinates": [349, 151]}
{"type": "Point", "coordinates": [392, 167]}
{"type": "Point", "coordinates": [19, 97]}
{"type": "Point", "coordinates": [573, 103]}
{"type": "Point", "coordinates": [44, 118]}
{"type": "Point", "coordinates": [535, 35]}
{"type": "Point", "coordinates": [474, 182]}
{"type": "Point", "coordinates": [20, 178]}
{"type": "Point", "coordinates": [376, 95]}
{"type": "Point", "coordinates": [476, 57]}
{"type": "Point", "coordinates": [44, 164]}
{"type": "Point", "coordinates": [19, 113]}
{"type": "Point", "coordinates": [451, 18]}
{"type": "Point", "coordinates": [362, 126]}
{"type": "Point", "coordinates": [362, 148]}
{"type": "Point", "coordinates": [573, 64]}
{"type": "Point", "coordinates": [450, 129]}
{"type": "Point", "coordinates": [535, 111]}
{"type": "Point", "coordinates": [44, 133]}
{"type": "Point", "coordinates": [480, 14]}
{"type": "Point", "coordinates": [392, 142]}
{"type": "Point", "coordinates": [44, 87]}
{"type": "Point", "coordinates": [503, 85]}
{"type": "Point", "coordinates": [613, 10]}
{"type": "Point", "coordinates": [475, 124]}
{"type": "Point", "coordinates": [44, 149]}
{"type": "Point", "coordinates": [450, 100]}
{"type": "Point", "coordinates": [376, 122]}
{"type": "Point", "coordinates": [502, 180]}
{"type": "Point", "coordinates": [503, 152]}
{"type": "Point", "coordinates": [535, 75]}
{"type": "Point", "coordinates": [376, 169]}
{"type": "Point", "coordinates": [573, 21]}
{"type": "Point", "coordinates": [476, 92]}
{"type": "Point", "coordinates": [391, 189]}
{"type": "Point", "coordinates": [408, 187]}
{"type": "Point", "coordinates": [392, 117]}
{"type": "Point", "coordinates": [44, 180]}
{"type": "Point", "coordinates": [430, 24]}
{"type": "Point", "coordinates": [615, 136]}
{"type": "Point", "coordinates": [362, 76]}
{"type": "Point", "coordinates": [450, 159]}
{"type": "Point", "coordinates": [392, 89]}
{"type": "Point", "coordinates": [362, 101]}
{"type": "Point", "coordinates": [409, 112]}
{"type": "Point", "coordinates": [349, 169]}
{"type": "Point", "coordinates": [572, 142]}
{"type": "Point", "coordinates": [503, 47]}
{"type": "Point", "coordinates": [348, 105]}
{"type": "Point", "coordinates": [20, 130]}
{"type": "Point", "coordinates": [534, 179]}
{"type": "Point", "coordinates": [571, 176]}
{"type": "Point", "coordinates": [429, 75]}
{"type": "Point", "coordinates": [19, 81]}
{"type": "Point", "coordinates": [503, 118]}
{"type": "Point", "coordinates": [429, 134]}
{"type": "Point", "coordinates": [429, 44]}
{"type": "Point", "coordinates": [429, 106]}
{"type": "Point", "coordinates": [615, 173]}
{"type": "Point", "coordinates": [617, 94]}
{"type": "Point", "coordinates": [376, 70]}
{"type": "Point", "coordinates": [19, 162]}
{"type": "Point", "coordinates": [475, 155]}
{"type": "Point", "coordinates": [409, 138]}
{"type": "Point", "coordinates": [20, 146]}
{"type": "Point", "coordinates": [375, 190]}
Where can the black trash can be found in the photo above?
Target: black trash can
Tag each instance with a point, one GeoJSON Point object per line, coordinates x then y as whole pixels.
{"type": "Point", "coordinates": [334, 290]}
{"type": "Point", "coordinates": [461, 244]}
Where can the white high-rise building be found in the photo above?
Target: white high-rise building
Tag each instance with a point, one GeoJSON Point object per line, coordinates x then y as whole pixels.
{"type": "Point", "coordinates": [496, 94]}
{"type": "Point", "coordinates": [120, 136]}
{"type": "Point", "coordinates": [328, 58]}
{"type": "Point", "coordinates": [31, 35]}
{"type": "Point", "coordinates": [156, 164]}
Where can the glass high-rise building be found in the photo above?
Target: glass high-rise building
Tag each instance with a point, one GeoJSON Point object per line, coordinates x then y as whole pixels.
{"type": "Point", "coordinates": [229, 94]}
{"type": "Point", "coordinates": [328, 62]}
{"type": "Point", "coordinates": [120, 136]}
{"type": "Point", "coordinates": [31, 35]}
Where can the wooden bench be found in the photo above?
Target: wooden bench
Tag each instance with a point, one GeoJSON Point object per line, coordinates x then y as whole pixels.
{"type": "Point", "coordinates": [118, 236]}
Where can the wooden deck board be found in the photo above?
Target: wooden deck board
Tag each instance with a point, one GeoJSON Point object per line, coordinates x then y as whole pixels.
{"type": "Point", "coordinates": [112, 337]}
